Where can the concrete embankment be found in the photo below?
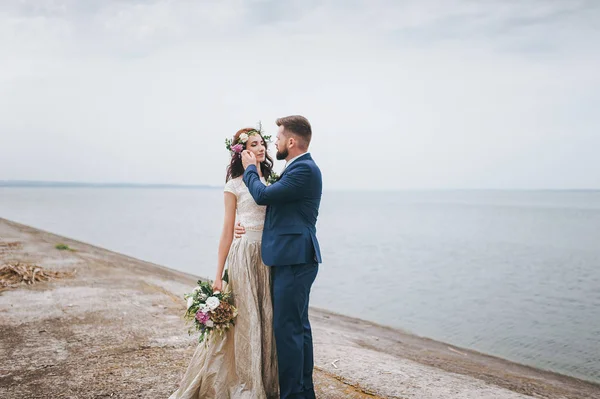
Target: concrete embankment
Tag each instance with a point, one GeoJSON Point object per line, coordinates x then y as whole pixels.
{"type": "Point", "coordinates": [114, 330]}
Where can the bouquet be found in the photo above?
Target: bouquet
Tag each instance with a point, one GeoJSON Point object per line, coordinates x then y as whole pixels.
{"type": "Point", "coordinates": [272, 178]}
{"type": "Point", "coordinates": [209, 311]}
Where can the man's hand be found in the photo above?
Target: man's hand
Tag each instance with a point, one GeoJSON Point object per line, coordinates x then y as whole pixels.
{"type": "Point", "coordinates": [248, 158]}
{"type": "Point", "coordinates": [239, 230]}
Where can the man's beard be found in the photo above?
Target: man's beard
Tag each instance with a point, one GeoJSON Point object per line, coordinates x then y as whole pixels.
{"type": "Point", "coordinates": [282, 154]}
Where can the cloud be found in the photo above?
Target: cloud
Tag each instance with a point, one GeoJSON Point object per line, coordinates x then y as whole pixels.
{"type": "Point", "coordinates": [440, 94]}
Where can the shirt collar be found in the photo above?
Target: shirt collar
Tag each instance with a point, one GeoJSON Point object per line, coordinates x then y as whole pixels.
{"type": "Point", "coordinates": [288, 163]}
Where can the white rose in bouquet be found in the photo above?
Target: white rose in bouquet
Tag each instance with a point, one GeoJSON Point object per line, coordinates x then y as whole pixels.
{"type": "Point", "coordinates": [213, 302]}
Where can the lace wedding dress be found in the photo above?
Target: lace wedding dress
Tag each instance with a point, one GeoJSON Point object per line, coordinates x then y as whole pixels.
{"type": "Point", "coordinates": [242, 363]}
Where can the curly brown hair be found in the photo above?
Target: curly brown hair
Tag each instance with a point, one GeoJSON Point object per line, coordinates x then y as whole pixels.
{"type": "Point", "coordinates": [236, 169]}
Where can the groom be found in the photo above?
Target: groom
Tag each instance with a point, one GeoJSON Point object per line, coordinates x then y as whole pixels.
{"type": "Point", "coordinates": [290, 246]}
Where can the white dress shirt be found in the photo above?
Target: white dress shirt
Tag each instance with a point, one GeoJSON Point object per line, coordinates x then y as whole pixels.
{"type": "Point", "coordinates": [288, 163]}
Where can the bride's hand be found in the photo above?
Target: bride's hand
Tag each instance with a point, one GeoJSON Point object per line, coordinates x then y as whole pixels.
{"type": "Point", "coordinates": [218, 285]}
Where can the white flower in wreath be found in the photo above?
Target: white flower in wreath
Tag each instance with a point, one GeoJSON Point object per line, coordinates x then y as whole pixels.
{"type": "Point", "coordinates": [209, 323]}
{"type": "Point", "coordinates": [213, 302]}
{"type": "Point", "coordinates": [190, 302]}
{"type": "Point", "coordinates": [243, 138]}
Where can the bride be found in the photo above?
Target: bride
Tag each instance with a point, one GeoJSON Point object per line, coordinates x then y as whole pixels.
{"type": "Point", "coordinates": [242, 363]}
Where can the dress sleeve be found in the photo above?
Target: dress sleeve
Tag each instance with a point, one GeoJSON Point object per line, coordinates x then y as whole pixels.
{"type": "Point", "coordinates": [230, 187]}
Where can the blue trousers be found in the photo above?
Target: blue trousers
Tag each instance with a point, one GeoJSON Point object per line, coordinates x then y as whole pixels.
{"type": "Point", "coordinates": [293, 336]}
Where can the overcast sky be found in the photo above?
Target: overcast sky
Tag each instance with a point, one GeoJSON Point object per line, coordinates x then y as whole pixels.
{"type": "Point", "coordinates": [401, 94]}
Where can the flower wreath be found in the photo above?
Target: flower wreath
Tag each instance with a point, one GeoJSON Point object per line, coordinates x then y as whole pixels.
{"type": "Point", "coordinates": [240, 144]}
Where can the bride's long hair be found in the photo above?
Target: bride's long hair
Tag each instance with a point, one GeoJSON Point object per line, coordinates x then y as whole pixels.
{"type": "Point", "coordinates": [236, 169]}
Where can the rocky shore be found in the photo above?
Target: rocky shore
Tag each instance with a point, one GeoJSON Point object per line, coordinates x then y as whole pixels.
{"type": "Point", "coordinates": [113, 329]}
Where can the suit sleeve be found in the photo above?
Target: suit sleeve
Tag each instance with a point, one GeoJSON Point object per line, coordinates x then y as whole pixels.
{"type": "Point", "coordinates": [287, 189]}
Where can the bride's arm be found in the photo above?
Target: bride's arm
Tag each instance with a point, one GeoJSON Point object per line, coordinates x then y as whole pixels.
{"type": "Point", "coordinates": [226, 238]}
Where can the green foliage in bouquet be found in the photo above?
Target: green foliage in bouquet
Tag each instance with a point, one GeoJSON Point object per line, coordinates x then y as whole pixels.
{"type": "Point", "coordinates": [226, 276]}
{"type": "Point", "coordinates": [209, 311]}
{"type": "Point", "coordinates": [272, 178]}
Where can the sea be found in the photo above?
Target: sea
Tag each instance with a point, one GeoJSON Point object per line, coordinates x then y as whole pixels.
{"type": "Point", "coordinates": [515, 274]}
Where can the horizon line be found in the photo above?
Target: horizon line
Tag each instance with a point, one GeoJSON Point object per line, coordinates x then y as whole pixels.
{"type": "Point", "coordinates": [54, 183]}
{"type": "Point", "coordinates": [76, 184]}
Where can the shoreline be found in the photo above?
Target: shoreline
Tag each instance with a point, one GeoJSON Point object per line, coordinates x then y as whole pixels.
{"type": "Point", "coordinates": [115, 296]}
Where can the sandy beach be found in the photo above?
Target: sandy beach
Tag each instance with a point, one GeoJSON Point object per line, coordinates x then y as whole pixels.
{"type": "Point", "coordinates": [115, 330]}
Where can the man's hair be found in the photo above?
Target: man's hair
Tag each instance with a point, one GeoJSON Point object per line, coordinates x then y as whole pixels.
{"type": "Point", "coordinates": [298, 126]}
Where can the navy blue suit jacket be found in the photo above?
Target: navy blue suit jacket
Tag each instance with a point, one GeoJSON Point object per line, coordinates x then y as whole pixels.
{"type": "Point", "coordinates": [289, 236]}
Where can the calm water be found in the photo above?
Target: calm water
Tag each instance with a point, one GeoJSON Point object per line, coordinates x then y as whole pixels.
{"type": "Point", "coordinates": [514, 274]}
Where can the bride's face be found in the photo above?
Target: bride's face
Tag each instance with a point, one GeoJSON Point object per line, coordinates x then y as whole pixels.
{"type": "Point", "coordinates": [256, 145]}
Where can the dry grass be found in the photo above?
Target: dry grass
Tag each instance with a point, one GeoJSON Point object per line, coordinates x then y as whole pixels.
{"type": "Point", "coordinates": [10, 245]}
{"type": "Point", "coordinates": [6, 247]}
{"type": "Point", "coordinates": [15, 273]}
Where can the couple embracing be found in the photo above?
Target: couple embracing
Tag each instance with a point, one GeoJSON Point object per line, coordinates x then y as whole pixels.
{"type": "Point", "coordinates": [272, 263]}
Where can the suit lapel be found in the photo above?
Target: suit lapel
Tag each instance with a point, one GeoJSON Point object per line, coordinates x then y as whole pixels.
{"type": "Point", "coordinates": [303, 157]}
